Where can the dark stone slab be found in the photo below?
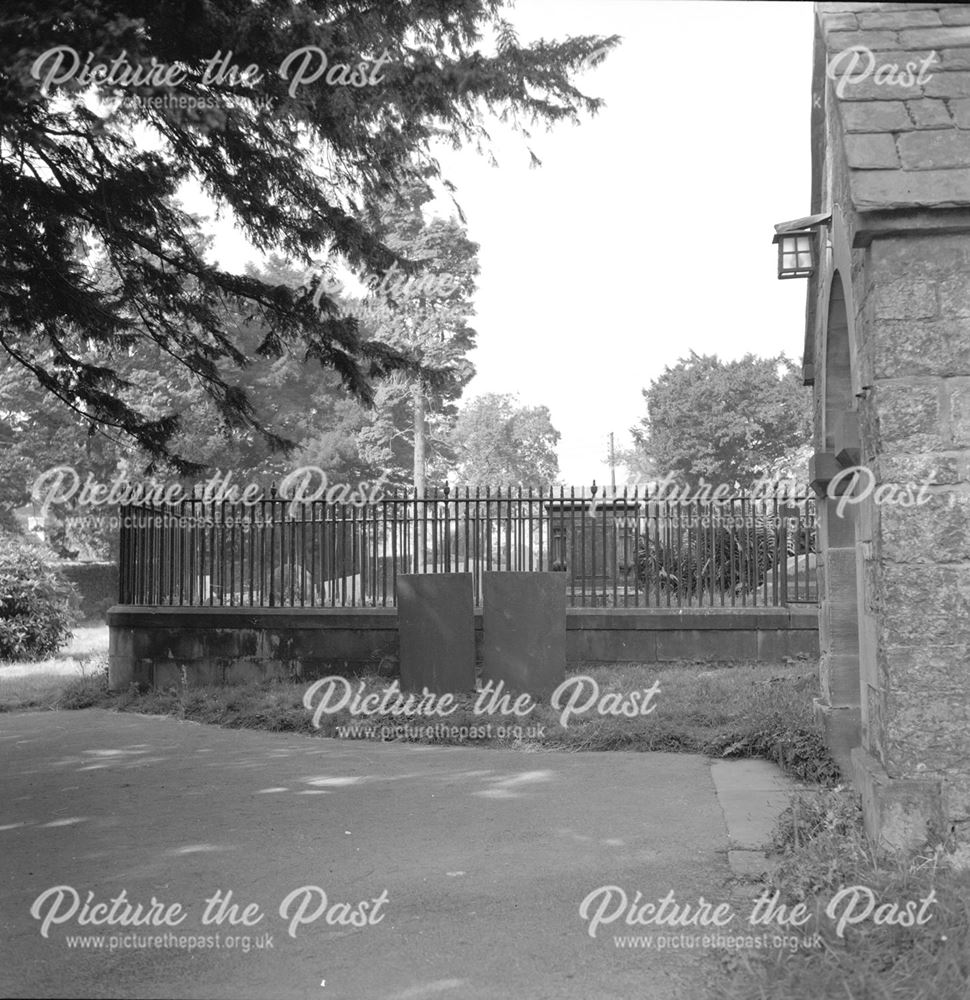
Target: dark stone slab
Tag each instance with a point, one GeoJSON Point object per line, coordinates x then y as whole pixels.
{"type": "Point", "coordinates": [524, 628]}
{"type": "Point", "coordinates": [436, 621]}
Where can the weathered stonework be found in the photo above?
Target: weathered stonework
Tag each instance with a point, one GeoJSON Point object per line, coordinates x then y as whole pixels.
{"type": "Point", "coordinates": [888, 338]}
{"type": "Point", "coordinates": [185, 647]}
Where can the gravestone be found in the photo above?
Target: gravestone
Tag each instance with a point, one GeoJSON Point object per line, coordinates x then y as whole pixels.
{"type": "Point", "coordinates": [436, 624]}
{"type": "Point", "coordinates": [594, 541]}
{"type": "Point", "coordinates": [524, 642]}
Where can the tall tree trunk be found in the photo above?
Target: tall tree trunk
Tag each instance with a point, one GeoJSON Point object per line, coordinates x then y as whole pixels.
{"type": "Point", "coordinates": [420, 430]}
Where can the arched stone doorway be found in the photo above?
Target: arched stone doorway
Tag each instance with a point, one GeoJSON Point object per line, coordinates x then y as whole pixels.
{"type": "Point", "coordinates": [841, 590]}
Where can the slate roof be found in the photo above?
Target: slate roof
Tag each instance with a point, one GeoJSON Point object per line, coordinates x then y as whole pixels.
{"type": "Point", "coordinates": [907, 140]}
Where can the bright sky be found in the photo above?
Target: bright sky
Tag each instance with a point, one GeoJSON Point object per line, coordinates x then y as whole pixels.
{"type": "Point", "coordinates": [647, 231]}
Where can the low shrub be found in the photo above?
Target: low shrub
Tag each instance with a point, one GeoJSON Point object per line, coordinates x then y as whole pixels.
{"type": "Point", "coordinates": [35, 613]}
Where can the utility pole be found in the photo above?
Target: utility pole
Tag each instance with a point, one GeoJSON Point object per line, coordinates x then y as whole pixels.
{"type": "Point", "coordinates": [612, 465]}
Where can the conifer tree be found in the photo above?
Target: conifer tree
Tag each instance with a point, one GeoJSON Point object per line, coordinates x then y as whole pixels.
{"type": "Point", "coordinates": [95, 252]}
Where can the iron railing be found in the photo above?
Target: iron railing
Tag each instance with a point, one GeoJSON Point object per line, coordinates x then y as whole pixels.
{"type": "Point", "coordinates": [623, 550]}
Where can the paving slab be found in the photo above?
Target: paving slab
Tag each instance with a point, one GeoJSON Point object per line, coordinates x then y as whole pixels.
{"type": "Point", "coordinates": [752, 794]}
{"type": "Point", "coordinates": [482, 858]}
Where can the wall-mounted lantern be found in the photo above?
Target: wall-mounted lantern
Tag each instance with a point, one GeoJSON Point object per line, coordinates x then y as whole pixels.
{"type": "Point", "coordinates": [796, 254]}
{"type": "Point", "coordinates": [798, 245]}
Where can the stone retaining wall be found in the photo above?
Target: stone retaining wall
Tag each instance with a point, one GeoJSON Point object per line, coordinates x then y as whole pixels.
{"type": "Point", "coordinates": [174, 646]}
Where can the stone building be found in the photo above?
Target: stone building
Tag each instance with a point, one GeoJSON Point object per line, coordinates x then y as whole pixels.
{"type": "Point", "coordinates": [887, 350]}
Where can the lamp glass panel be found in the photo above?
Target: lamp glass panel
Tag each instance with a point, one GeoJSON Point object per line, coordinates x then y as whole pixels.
{"type": "Point", "coordinates": [796, 252]}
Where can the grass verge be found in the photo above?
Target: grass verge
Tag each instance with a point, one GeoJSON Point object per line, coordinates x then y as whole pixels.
{"type": "Point", "coordinates": [81, 668]}
{"type": "Point", "coordinates": [826, 850]}
{"type": "Point", "coordinates": [753, 710]}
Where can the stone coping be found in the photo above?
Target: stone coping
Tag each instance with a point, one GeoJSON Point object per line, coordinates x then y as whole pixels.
{"type": "Point", "coordinates": [640, 619]}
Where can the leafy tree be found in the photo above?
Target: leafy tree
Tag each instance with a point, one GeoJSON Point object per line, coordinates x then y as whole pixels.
{"type": "Point", "coordinates": [639, 466]}
{"type": "Point", "coordinates": [95, 253]}
{"type": "Point", "coordinates": [499, 442]}
{"type": "Point", "coordinates": [723, 420]}
{"type": "Point", "coordinates": [303, 402]}
{"type": "Point", "coordinates": [35, 437]}
{"type": "Point", "coordinates": [426, 319]}
{"type": "Point", "coordinates": [411, 446]}
{"type": "Point", "coordinates": [790, 472]}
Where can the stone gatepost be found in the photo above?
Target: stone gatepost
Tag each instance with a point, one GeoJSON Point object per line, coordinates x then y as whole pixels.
{"type": "Point", "coordinates": [914, 762]}
{"type": "Point", "coordinates": [888, 353]}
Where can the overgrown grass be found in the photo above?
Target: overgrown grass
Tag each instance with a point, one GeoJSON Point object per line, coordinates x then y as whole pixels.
{"type": "Point", "coordinates": [753, 710]}
{"type": "Point", "coordinates": [825, 850]}
{"type": "Point", "coordinates": [74, 678]}
{"type": "Point", "coordinates": [724, 711]}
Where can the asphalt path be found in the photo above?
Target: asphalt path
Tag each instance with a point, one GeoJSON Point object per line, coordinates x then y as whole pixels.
{"type": "Point", "coordinates": [448, 872]}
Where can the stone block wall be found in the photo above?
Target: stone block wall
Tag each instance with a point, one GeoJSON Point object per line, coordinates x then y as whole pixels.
{"type": "Point", "coordinates": [166, 647]}
{"type": "Point", "coordinates": [917, 304]}
{"type": "Point", "coordinates": [892, 165]}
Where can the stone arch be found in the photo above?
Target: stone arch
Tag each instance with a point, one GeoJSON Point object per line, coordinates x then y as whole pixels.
{"type": "Point", "coordinates": [841, 589]}
{"type": "Point", "coordinates": [839, 397]}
